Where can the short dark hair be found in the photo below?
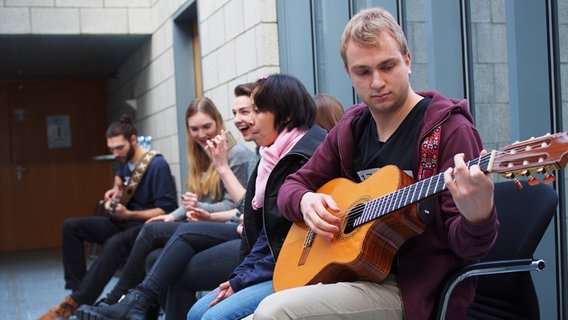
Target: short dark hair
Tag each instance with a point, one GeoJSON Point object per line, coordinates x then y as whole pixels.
{"type": "Point", "coordinates": [288, 99]}
{"type": "Point", "coordinates": [122, 127]}
{"type": "Point", "coordinates": [244, 89]}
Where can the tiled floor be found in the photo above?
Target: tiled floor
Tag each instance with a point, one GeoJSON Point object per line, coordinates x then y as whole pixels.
{"type": "Point", "coordinates": [31, 282]}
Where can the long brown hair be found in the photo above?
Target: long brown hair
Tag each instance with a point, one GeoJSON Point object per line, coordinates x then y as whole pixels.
{"type": "Point", "coordinates": [198, 161]}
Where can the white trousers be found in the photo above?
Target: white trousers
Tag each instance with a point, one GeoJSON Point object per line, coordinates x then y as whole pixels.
{"type": "Point", "coordinates": [343, 300]}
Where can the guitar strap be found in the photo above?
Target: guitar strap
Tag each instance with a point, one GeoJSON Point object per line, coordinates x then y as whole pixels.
{"type": "Point", "coordinates": [429, 152]}
{"type": "Point", "coordinates": [137, 176]}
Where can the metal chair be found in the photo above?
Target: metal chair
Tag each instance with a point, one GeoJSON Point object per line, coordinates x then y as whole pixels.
{"type": "Point", "coordinates": [505, 288]}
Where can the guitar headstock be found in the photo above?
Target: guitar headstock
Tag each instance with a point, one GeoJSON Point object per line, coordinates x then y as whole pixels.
{"type": "Point", "coordinates": [540, 155]}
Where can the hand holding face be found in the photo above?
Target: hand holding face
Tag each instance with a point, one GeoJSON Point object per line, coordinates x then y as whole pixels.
{"type": "Point", "coordinates": [218, 151]}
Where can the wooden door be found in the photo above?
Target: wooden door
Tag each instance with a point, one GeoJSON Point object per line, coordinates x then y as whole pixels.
{"type": "Point", "coordinates": [50, 132]}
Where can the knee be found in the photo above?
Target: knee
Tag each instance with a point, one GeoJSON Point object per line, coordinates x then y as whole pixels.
{"type": "Point", "coordinates": [118, 244]}
{"type": "Point", "coordinates": [262, 311]}
{"type": "Point", "coordinates": [151, 258]}
{"type": "Point", "coordinates": [69, 225]}
{"type": "Point", "coordinates": [146, 229]}
{"type": "Point", "coordinates": [268, 309]}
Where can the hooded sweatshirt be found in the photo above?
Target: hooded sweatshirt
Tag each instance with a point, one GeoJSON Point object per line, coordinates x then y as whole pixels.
{"type": "Point", "coordinates": [448, 242]}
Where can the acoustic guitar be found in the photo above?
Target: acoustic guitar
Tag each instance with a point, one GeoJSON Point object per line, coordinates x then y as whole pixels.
{"type": "Point", "coordinates": [380, 214]}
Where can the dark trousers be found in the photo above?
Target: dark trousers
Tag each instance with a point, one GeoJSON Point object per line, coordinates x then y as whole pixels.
{"type": "Point", "coordinates": [152, 236]}
{"type": "Point", "coordinates": [116, 238]}
{"type": "Point", "coordinates": [199, 256]}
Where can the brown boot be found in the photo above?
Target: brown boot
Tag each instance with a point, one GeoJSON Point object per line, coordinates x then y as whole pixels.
{"type": "Point", "coordinates": [64, 310]}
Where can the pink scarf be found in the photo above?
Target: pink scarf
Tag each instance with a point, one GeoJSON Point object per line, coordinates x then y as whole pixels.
{"type": "Point", "coordinates": [269, 157]}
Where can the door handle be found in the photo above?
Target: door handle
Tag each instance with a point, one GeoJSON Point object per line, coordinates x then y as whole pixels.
{"type": "Point", "coordinates": [20, 172]}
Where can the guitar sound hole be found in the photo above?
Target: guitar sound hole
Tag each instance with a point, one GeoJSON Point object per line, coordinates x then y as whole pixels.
{"type": "Point", "coordinates": [350, 218]}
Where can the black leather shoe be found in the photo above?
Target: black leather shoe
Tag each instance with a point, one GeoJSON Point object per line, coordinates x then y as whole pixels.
{"type": "Point", "coordinates": [87, 312]}
{"type": "Point", "coordinates": [134, 306]}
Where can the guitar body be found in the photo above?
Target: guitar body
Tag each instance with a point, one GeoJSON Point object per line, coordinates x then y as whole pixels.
{"type": "Point", "coordinates": [363, 253]}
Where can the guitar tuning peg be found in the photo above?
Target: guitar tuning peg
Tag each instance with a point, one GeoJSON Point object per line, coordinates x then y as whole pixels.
{"type": "Point", "coordinates": [549, 178]}
{"type": "Point", "coordinates": [518, 183]}
{"type": "Point", "coordinates": [532, 181]}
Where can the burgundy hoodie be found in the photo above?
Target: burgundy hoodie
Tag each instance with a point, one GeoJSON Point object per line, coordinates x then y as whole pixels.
{"type": "Point", "coordinates": [448, 242]}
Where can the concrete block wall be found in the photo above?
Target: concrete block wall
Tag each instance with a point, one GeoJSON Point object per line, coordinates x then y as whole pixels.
{"type": "Point", "coordinates": [238, 40]}
{"type": "Point", "coordinates": [489, 42]}
{"type": "Point", "coordinates": [75, 17]}
{"type": "Point", "coordinates": [147, 80]}
{"type": "Point", "coordinates": [239, 44]}
{"type": "Point", "coordinates": [489, 56]}
{"type": "Point", "coordinates": [563, 36]}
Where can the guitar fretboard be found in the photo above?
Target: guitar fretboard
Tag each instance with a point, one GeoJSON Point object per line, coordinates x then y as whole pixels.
{"type": "Point", "coordinates": [408, 195]}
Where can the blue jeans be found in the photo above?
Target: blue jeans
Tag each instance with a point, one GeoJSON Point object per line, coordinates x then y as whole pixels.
{"type": "Point", "coordinates": [237, 306]}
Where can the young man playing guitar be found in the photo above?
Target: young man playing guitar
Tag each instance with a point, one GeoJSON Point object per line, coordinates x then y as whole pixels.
{"type": "Point", "coordinates": [391, 128]}
{"type": "Point", "coordinates": [153, 194]}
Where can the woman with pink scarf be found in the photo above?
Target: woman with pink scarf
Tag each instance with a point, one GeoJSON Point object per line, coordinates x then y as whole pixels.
{"type": "Point", "coordinates": [283, 128]}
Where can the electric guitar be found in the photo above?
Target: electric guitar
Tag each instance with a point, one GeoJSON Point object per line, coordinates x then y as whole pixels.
{"type": "Point", "coordinates": [379, 215]}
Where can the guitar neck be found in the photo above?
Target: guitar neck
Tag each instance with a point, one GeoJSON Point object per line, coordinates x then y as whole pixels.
{"type": "Point", "coordinates": [412, 194]}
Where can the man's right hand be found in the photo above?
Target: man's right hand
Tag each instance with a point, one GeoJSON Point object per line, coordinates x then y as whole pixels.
{"type": "Point", "coordinates": [314, 208]}
{"type": "Point", "coordinates": [111, 194]}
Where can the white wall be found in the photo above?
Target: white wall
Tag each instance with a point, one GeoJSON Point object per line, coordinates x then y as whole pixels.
{"type": "Point", "coordinates": [239, 44]}
{"type": "Point", "coordinates": [74, 17]}
{"type": "Point", "coordinates": [238, 40]}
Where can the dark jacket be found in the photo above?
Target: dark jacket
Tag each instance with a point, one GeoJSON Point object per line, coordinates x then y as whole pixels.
{"type": "Point", "coordinates": [449, 240]}
{"type": "Point", "coordinates": [266, 229]}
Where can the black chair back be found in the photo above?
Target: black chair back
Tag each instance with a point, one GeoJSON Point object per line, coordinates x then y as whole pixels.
{"type": "Point", "coordinates": [524, 216]}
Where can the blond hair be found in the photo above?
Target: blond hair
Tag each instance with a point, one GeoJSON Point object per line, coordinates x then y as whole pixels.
{"type": "Point", "coordinates": [198, 161]}
{"type": "Point", "coordinates": [366, 27]}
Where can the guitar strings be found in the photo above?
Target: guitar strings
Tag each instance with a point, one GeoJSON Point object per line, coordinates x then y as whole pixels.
{"type": "Point", "coordinates": [355, 213]}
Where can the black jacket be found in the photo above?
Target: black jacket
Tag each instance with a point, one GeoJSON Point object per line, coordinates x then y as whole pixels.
{"type": "Point", "coordinates": [268, 225]}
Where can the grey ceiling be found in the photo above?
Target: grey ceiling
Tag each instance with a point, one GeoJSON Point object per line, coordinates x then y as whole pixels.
{"type": "Point", "coordinates": [63, 56]}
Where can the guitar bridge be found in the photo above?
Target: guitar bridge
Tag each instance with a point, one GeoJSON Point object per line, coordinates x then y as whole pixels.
{"type": "Point", "coordinates": [307, 247]}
